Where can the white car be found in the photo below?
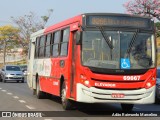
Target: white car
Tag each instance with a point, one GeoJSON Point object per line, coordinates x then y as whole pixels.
{"type": "Point", "coordinates": [12, 73]}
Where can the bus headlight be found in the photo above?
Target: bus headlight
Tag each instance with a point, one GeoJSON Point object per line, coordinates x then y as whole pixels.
{"type": "Point", "coordinates": [150, 83]}
{"type": "Point", "coordinates": [84, 80]}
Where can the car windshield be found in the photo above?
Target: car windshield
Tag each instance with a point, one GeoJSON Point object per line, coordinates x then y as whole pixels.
{"type": "Point", "coordinates": [23, 67]}
{"type": "Point", "coordinates": [158, 73]}
{"type": "Point", "coordinates": [97, 53]}
{"type": "Point", "coordinates": [12, 68]}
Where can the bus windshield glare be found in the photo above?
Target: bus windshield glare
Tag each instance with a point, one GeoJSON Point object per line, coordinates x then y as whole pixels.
{"type": "Point", "coordinates": [97, 53]}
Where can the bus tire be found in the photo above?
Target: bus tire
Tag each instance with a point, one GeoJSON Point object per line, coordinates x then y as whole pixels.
{"type": "Point", "coordinates": [39, 93]}
{"type": "Point", "coordinates": [66, 103]}
{"type": "Point", "coordinates": [4, 81]}
{"type": "Point", "coordinates": [34, 91]}
{"type": "Point", "coordinates": [127, 107]}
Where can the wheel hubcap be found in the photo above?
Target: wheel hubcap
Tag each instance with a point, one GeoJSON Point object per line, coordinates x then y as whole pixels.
{"type": "Point", "coordinates": [63, 96]}
{"type": "Point", "coordinates": [37, 90]}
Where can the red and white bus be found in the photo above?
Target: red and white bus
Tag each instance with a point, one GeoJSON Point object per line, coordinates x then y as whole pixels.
{"type": "Point", "coordinates": [95, 58]}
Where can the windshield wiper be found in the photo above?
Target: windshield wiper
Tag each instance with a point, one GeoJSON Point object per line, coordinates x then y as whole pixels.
{"type": "Point", "coordinates": [106, 37]}
{"type": "Point", "coordinates": [133, 40]}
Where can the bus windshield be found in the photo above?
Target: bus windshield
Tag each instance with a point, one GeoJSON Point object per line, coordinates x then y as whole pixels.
{"type": "Point", "coordinates": [97, 53]}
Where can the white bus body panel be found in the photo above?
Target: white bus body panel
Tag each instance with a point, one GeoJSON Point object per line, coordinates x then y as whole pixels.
{"type": "Point", "coordinates": [31, 78]}
{"type": "Point", "coordinates": [95, 95]}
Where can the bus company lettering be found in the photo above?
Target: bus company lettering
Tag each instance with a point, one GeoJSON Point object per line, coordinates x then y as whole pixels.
{"type": "Point", "coordinates": [43, 67]}
{"type": "Point", "coordinates": [74, 26]}
{"type": "Point", "coordinates": [105, 84]}
{"type": "Point", "coordinates": [47, 67]}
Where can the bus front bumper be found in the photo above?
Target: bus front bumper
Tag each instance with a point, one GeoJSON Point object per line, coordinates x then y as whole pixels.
{"type": "Point", "coordinates": [96, 95]}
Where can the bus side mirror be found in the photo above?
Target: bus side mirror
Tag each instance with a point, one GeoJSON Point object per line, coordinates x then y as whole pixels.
{"type": "Point", "coordinates": [78, 37]}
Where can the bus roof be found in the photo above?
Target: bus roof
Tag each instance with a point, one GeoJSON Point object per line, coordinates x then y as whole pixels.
{"type": "Point", "coordinates": [77, 19]}
{"type": "Point", "coordinates": [64, 23]}
{"type": "Point", "coordinates": [38, 33]}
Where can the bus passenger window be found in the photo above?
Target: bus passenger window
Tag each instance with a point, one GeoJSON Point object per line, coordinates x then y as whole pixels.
{"type": "Point", "coordinates": [47, 48]}
{"type": "Point", "coordinates": [55, 49]}
{"type": "Point", "coordinates": [36, 48]}
{"type": "Point", "coordinates": [64, 43]}
{"type": "Point", "coordinates": [41, 46]}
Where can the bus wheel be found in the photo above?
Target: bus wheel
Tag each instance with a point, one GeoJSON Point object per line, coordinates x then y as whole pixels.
{"type": "Point", "coordinates": [66, 103]}
{"type": "Point", "coordinates": [34, 91]}
{"type": "Point", "coordinates": [127, 107]}
{"type": "Point", "coordinates": [4, 80]}
{"type": "Point", "coordinates": [39, 93]}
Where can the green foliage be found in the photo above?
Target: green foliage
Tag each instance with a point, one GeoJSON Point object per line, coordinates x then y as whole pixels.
{"type": "Point", "coordinates": [8, 32]}
{"type": "Point", "coordinates": [9, 36]}
{"type": "Point", "coordinates": [157, 29]}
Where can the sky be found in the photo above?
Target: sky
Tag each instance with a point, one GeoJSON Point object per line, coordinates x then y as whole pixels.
{"type": "Point", "coordinates": [62, 9]}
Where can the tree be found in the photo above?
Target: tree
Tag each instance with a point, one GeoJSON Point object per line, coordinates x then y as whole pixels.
{"type": "Point", "coordinates": [9, 38]}
{"type": "Point", "coordinates": [28, 24]}
{"type": "Point", "coordinates": [144, 7]}
{"type": "Point", "coordinates": [158, 28]}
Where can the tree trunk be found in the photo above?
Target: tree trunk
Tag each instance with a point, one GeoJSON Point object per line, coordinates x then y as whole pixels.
{"type": "Point", "coordinates": [4, 53]}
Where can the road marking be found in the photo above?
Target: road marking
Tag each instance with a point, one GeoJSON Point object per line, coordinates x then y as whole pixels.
{"type": "Point", "coordinates": [22, 101]}
{"type": "Point", "coordinates": [136, 108]}
{"type": "Point", "coordinates": [3, 90]}
{"type": "Point", "coordinates": [48, 119]}
{"type": "Point", "coordinates": [30, 107]}
{"type": "Point", "coordinates": [16, 97]}
{"type": "Point", "coordinates": [9, 93]}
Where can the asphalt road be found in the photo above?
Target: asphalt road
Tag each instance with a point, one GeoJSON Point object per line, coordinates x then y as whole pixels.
{"type": "Point", "coordinates": [18, 97]}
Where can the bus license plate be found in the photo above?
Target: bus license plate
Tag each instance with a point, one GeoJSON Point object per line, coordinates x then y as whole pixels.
{"type": "Point", "coordinates": [117, 95]}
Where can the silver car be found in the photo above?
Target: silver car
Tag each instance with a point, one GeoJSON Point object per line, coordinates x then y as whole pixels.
{"type": "Point", "coordinates": [158, 86]}
{"type": "Point", "coordinates": [12, 73]}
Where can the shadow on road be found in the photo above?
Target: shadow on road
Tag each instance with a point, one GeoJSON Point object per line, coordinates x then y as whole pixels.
{"type": "Point", "coordinates": [13, 82]}
{"type": "Point", "coordinates": [89, 109]}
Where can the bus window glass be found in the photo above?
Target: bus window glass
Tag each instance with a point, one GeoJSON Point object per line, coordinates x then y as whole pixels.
{"type": "Point", "coordinates": [141, 54]}
{"type": "Point", "coordinates": [55, 46]}
{"type": "Point", "coordinates": [65, 35]}
{"type": "Point", "coordinates": [55, 50]}
{"type": "Point", "coordinates": [41, 47]}
{"type": "Point", "coordinates": [64, 49]}
{"type": "Point", "coordinates": [36, 47]}
{"type": "Point", "coordinates": [64, 42]}
{"type": "Point", "coordinates": [57, 37]}
{"type": "Point", "coordinates": [47, 49]}
{"type": "Point", "coordinates": [97, 53]}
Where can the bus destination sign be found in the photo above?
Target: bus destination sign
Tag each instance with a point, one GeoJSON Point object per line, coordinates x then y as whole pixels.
{"type": "Point", "coordinates": [118, 21]}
